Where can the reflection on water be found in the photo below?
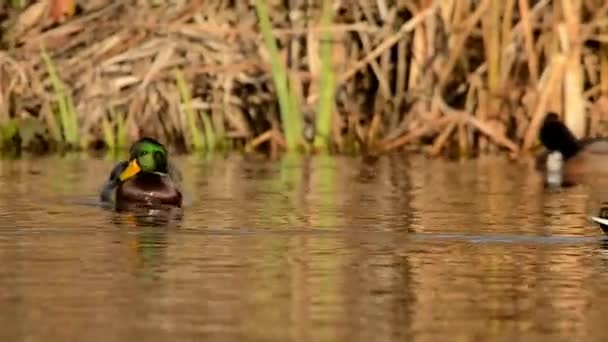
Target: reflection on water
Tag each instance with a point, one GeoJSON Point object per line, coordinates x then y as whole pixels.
{"type": "Point", "coordinates": [303, 249]}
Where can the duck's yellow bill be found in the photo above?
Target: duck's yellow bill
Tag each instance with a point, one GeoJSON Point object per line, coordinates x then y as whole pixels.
{"type": "Point", "coordinates": [131, 170]}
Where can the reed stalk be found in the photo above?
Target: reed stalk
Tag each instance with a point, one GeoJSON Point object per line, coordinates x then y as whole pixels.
{"type": "Point", "coordinates": [604, 69]}
{"type": "Point", "coordinates": [492, 41]}
{"type": "Point", "coordinates": [196, 136]}
{"type": "Point", "coordinates": [108, 133]}
{"type": "Point", "coordinates": [491, 25]}
{"type": "Point", "coordinates": [121, 128]}
{"type": "Point", "coordinates": [551, 79]}
{"type": "Point", "coordinates": [574, 102]}
{"type": "Point", "coordinates": [524, 9]}
{"type": "Point", "coordinates": [114, 130]}
{"type": "Point", "coordinates": [210, 137]}
{"type": "Point", "coordinates": [399, 60]}
{"type": "Point", "coordinates": [67, 113]}
{"type": "Point", "coordinates": [17, 3]}
{"type": "Point", "coordinates": [327, 80]}
{"type": "Point", "coordinates": [290, 113]}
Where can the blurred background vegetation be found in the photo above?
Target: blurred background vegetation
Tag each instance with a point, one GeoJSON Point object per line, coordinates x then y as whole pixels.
{"type": "Point", "coordinates": [451, 77]}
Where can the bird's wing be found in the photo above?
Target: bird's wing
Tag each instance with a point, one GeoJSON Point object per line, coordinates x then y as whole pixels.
{"type": "Point", "coordinates": [112, 182]}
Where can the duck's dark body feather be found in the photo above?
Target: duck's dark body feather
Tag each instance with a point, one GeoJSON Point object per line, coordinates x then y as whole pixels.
{"type": "Point", "coordinates": [584, 159]}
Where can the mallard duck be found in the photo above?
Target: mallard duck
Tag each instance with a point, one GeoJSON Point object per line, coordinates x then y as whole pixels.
{"type": "Point", "coordinates": [568, 159]}
{"type": "Point", "coordinates": [146, 178]}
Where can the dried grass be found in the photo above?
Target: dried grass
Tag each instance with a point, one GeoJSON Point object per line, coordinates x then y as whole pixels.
{"type": "Point", "coordinates": [458, 76]}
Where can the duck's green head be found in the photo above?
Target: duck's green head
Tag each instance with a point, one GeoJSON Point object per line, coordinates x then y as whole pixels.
{"type": "Point", "coordinates": [146, 155]}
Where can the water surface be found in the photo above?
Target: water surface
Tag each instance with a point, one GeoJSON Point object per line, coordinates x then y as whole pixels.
{"type": "Point", "coordinates": [303, 249]}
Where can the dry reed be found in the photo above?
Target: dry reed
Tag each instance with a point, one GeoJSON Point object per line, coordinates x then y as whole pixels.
{"type": "Point", "coordinates": [445, 76]}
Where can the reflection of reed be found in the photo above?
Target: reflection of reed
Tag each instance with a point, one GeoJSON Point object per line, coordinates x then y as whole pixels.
{"type": "Point", "coordinates": [317, 248]}
{"type": "Point", "coordinates": [503, 286]}
{"type": "Point", "coordinates": [494, 196]}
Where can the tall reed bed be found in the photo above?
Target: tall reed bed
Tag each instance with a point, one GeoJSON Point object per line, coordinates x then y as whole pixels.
{"type": "Point", "coordinates": [455, 77]}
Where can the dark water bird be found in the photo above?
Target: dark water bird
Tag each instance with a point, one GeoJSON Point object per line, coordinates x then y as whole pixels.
{"type": "Point", "coordinates": [567, 159]}
{"type": "Point", "coordinates": [602, 218]}
{"type": "Point", "coordinates": [146, 179]}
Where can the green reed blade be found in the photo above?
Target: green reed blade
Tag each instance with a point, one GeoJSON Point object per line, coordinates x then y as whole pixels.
{"type": "Point", "coordinates": [67, 113]}
{"type": "Point", "coordinates": [108, 133]}
{"type": "Point", "coordinates": [121, 128]}
{"type": "Point", "coordinates": [195, 133]}
{"type": "Point", "coordinates": [74, 139]}
{"type": "Point", "coordinates": [327, 80]}
{"type": "Point", "coordinates": [290, 114]}
{"type": "Point", "coordinates": [17, 3]}
{"type": "Point", "coordinates": [209, 134]}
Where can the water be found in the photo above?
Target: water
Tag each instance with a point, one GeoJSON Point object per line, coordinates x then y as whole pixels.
{"type": "Point", "coordinates": [317, 249]}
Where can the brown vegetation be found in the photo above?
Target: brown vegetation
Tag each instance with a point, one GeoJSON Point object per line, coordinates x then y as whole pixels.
{"type": "Point", "coordinates": [455, 76]}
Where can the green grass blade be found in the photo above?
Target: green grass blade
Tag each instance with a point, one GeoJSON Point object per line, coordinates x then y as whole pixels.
{"type": "Point", "coordinates": [327, 80]}
{"type": "Point", "coordinates": [108, 133]}
{"type": "Point", "coordinates": [290, 116]}
{"type": "Point", "coordinates": [121, 129]}
{"type": "Point", "coordinates": [52, 123]}
{"type": "Point", "coordinates": [209, 134]}
{"type": "Point", "coordinates": [17, 3]}
{"type": "Point", "coordinates": [74, 139]}
{"type": "Point", "coordinates": [195, 133]}
{"type": "Point", "coordinates": [67, 114]}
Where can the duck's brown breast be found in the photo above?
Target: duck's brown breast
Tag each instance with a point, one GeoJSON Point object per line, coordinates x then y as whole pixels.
{"type": "Point", "coordinates": [149, 188]}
